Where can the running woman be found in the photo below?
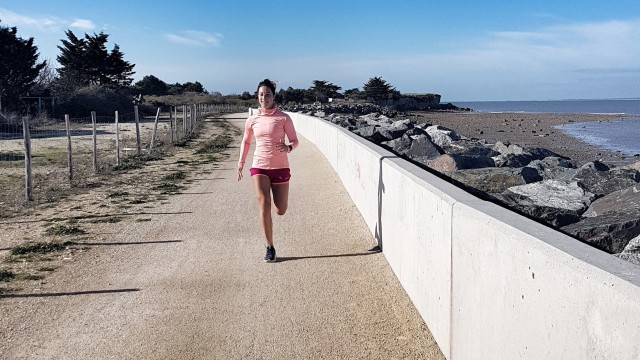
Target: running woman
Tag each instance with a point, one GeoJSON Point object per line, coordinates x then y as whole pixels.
{"type": "Point", "coordinates": [270, 172]}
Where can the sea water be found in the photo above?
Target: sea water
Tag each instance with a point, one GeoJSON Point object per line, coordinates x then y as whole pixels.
{"type": "Point", "coordinates": [619, 135]}
{"type": "Point", "coordinates": [609, 106]}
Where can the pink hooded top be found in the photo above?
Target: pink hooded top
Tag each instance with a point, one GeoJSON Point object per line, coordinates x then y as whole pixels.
{"type": "Point", "coordinates": [269, 127]}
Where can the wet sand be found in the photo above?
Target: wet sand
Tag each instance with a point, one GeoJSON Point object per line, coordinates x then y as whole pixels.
{"type": "Point", "coordinates": [529, 130]}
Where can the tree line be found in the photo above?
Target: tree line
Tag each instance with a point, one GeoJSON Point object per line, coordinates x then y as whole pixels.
{"type": "Point", "coordinates": [93, 78]}
{"type": "Point", "coordinates": [89, 77]}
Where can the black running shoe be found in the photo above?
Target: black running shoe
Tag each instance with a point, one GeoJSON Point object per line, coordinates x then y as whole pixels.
{"type": "Point", "coordinates": [271, 254]}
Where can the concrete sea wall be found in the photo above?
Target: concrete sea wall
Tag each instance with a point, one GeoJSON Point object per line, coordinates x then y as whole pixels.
{"type": "Point", "coordinates": [489, 283]}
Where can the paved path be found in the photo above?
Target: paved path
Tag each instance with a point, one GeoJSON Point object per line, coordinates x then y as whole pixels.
{"type": "Point", "coordinates": [196, 287]}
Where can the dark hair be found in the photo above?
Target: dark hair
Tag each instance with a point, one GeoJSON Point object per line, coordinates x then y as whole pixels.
{"type": "Point", "coordinates": [268, 83]}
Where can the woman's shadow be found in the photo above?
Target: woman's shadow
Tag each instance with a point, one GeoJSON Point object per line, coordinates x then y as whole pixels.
{"type": "Point", "coordinates": [288, 258]}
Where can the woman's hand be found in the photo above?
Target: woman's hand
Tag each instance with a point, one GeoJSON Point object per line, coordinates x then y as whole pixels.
{"type": "Point", "coordinates": [240, 167]}
{"type": "Point", "coordinates": [282, 146]}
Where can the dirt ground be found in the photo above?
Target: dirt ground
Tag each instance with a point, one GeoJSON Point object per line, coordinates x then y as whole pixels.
{"type": "Point", "coordinates": [74, 215]}
{"type": "Point", "coordinates": [49, 159]}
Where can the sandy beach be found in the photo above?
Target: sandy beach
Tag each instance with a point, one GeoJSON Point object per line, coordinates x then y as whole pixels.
{"type": "Point", "coordinates": [529, 130]}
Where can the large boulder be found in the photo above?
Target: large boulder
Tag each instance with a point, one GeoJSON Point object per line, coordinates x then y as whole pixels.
{"type": "Point", "coordinates": [507, 148]}
{"type": "Point", "coordinates": [474, 147]}
{"type": "Point", "coordinates": [400, 145]}
{"type": "Point", "coordinates": [611, 221]}
{"type": "Point", "coordinates": [542, 153]}
{"type": "Point", "coordinates": [554, 168]}
{"type": "Point", "coordinates": [344, 121]}
{"type": "Point", "coordinates": [496, 180]}
{"type": "Point", "coordinates": [513, 160]}
{"type": "Point", "coordinates": [374, 119]}
{"type": "Point", "coordinates": [380, 130]}
{"type": "Point", "coordinates": [610, 232]}
{"type": "Point", "coordinates": [625, 200]}
{"type": "Point", "coordinates": [415, 131]}
{"type": "Point", "coordinates": [477, 151]}
{"type": "Point", "coordinates": [423, 149]}
{"type": "Point", "coordinates": [513, 155]}
{"type": "Point", "coordinates": [635, 166]}
{"type": "Point", "coordinates": [449, 163]}
{"type": "Point", "coordinates": [441, 135]}
{"type": "Point", "coordinates": [398, 128]}
{"type": "Point", "coordinates": [371, 132]}
{"type": "Point", "coordinates": [554, 202]}
{"type": "Point", "coordinates": [599, 179]}
{"type": "Point", "coordinates": [631, 252]}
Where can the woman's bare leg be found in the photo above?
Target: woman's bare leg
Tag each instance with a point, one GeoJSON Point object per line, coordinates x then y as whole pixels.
{"type": "Point", "coordinates": [280, 197]}
{"type": "Point", "coordinates": [262, 189]}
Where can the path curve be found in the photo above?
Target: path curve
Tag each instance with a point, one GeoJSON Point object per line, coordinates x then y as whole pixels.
{"type": "Point", "coordinates": [193, 285]}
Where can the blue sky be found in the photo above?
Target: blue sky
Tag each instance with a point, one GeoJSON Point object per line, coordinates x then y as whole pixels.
{"type": "Point", "coordinates": [463, 50]}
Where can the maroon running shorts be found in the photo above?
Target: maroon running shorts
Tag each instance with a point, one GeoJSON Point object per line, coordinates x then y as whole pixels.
{"type": "Point", "coordinates": [277, 176]}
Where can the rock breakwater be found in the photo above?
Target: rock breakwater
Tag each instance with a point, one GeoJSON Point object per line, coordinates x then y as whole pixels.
{"type": "Point", "coordinates": [596, 203]}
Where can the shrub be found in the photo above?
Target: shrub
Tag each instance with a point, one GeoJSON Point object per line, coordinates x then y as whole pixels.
{"type": "Point", "coordinates": [103, 100]}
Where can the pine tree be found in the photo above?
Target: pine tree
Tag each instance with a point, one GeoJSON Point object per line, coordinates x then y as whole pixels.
{"type": "Point", "coordinates": [71, 59]}
{"type": "Point", "coordinates": [19, 67]}
{"type": "Point", "coordinates": [96, 58]}
{"type": "Point", "coordinates": [121, 71]}
{"type": "Point", "coordinates": [87, 61]}
{"type": "Point", "coordinates": [324, 90]}
{"type": "Point", "coordinates": [377, 89]}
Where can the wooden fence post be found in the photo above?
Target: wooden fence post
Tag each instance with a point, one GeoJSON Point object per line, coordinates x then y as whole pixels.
{"type": "Point", "coordinates": [69, 156]}
{"type": "Point", "coordinates": [138, 150]}
{"type": "Point", "coordinates": [173, 120]}
{"type": "Point", "coordinates": [117, 140]}
{"type": "Point", "coordinates": [155, 129]}
{"type": "Point", "coordinates": [184, 120]}
{"type": "Point", "coordinates": [28, 188]}
{"type": "Point", "coordinates": [189, 119]}
{"type": "Point", "coordinates": [95, 143]}
{"type": "Point", "coordinates": [195, 117]}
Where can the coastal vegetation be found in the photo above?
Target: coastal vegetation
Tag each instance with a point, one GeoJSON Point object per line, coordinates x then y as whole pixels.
{"type": "Point", "coordinates": [91, 77]}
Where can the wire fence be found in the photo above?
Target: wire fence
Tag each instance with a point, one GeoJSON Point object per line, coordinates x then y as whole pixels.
{"type": "Point", "coordinates": [40, 159]}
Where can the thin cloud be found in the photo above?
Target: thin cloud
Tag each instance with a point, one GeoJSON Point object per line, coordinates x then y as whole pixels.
{"type": "Point", "coordinates": [611, 43]}
{"type": "Point", "coordinates": [83, 24]}
{"type": "Point", "coordinates": [195, 38]}
{"type": "Point", "coordinates": [42, 23]}
{"type": "Point", "coordinates": [608, 71]}
{"type": "Point", "coordinates": [545, 62]}
{"type": "Point", "coordinates": [45, 23]}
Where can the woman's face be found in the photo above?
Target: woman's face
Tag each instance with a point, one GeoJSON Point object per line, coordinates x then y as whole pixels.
{"type": "Point", "coordinates": [265, 97]}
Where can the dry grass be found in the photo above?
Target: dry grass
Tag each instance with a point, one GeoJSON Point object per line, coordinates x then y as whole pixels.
{"type": "Point", "coordinates": [57, 227]}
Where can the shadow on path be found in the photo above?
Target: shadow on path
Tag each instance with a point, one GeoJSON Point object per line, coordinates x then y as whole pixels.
{"type": "Point", "coordinates": [381, 191]}
{"type": "Point", "coordinates": [98, 216]}
{"type": "Point", "coordinates": [127, 243]}
{"type": "Point", "coordinates": [288, 258]}
{"type": "Point", "coordinates": [73, 293]}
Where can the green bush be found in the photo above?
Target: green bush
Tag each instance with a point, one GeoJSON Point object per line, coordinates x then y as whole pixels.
{"type": "Point", "coordinates": [103, 100]}
{"type": "Point", "coordinates": [42, 247]}
{"type": "Point", "coordinates": [61, 229]}
{"type": "Point", "coordinates": [6, 275]}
